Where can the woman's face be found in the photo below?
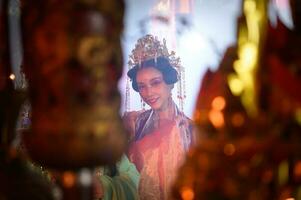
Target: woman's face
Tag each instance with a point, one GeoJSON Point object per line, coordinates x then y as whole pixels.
{"type": "Point", "coordinates": [152, 88]}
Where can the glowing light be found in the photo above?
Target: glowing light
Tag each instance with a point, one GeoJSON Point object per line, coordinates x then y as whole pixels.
{"type": "Point", "coordinates": [244, 68]}
{"type": "Point", "coordinates": [253, 18]}
{"type": "Point", "coordinates": [235, 84]}
{"type": "Point", "coordinates": [187, 193]}
{"type": "Point", "coordinates": [249, 42]}
{"type": "Point", "coordinates": [216, 118]}
{"type": "Point", "coordinates": [254, 33]}
{"type": "Point", "coordinates": [85, 177]}
{"type": "Point", "coordinates": [229, 149]}
{"type": "Point", "coordinates": [283, 173]}
{"type": "Point", "coordinates": [218, 103]}
{"type": "Point", "coordinates": [68, 179]}
{"type": "Point", "coordinates": [12, 77]}
{"type": "Point", "coordinates": [248, 57]}
{"type": "Point", "coordinates": [249, 6]}
{"type": "Point", "coordinates": [237, 119]}
{"type": "Point", "coordinates": [249, 101]}
{"type": "Point", "coordinates": [290, 199]}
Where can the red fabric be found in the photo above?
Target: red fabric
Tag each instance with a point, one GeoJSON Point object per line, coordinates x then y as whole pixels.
{"type": "Point", "coordinates": [157, 157]}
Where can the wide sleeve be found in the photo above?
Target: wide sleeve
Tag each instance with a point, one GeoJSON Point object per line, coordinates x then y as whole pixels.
{"type": "Point", "coordinates": [129, 121]}
{"type": "Point", "coordinates": [124, 185]}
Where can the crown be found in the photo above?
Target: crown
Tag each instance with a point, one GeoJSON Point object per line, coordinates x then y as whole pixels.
{"type": "Point", "coordinates": [149, 47]}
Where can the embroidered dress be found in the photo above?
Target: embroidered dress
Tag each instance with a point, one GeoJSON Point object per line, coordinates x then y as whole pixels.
{"type": "Point", "coordinates": [157, 152]}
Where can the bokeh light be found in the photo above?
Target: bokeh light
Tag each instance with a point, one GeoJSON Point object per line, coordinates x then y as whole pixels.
{"type": "Point", "coordinates": [12, 77]}
{"type": "Point", "coordinates": [216, 118]}
{"type": "Point", "coordinates": [187, 193]}
{"type": "Point", "coordinates": [218, 103]}
{"type": "Point", "coordinates": [68, 179]}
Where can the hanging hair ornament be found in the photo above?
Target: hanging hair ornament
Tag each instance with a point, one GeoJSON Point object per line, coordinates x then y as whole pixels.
{"type": "Point", "coordinates": [149, 47]}
{"type": "Point", "coordinates": [127, 96]}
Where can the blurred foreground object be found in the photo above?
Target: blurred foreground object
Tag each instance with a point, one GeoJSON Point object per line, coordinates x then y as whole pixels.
{"type": "Point", "coordinates": [18, 180]}
{"type": "Point", "coordinates": [73, 60]}
{"type": "Point", "coordinates": [249, 149]}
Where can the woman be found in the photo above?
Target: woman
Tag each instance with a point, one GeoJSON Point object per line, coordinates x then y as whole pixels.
{"type": "Point", "coordinates": [161, 135]}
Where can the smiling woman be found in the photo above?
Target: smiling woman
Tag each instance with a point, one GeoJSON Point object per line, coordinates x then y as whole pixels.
{"type": "Point", "coordinates": [161, 135]}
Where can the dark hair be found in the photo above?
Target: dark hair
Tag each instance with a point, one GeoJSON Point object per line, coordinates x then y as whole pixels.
{"type": "Point", "coordinates": [170, 74]}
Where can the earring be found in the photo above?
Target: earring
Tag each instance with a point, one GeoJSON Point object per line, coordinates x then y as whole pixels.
{"type": "Point", "coordinates": [181, 91]}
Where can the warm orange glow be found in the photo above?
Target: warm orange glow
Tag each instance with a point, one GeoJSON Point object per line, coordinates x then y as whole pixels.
{"type": "Point", "coordinates": [237, 119]}
{"type": "Point", "coordinates": [187, 193]}
{"type": "Point", "coordinates": [218, 103]}
{"type": "Point", "coordinates": [235, 83]}
{"type": "Point", "coordinates": [216, 118]}
{"type": "Point", "coordinates": [297, 169]}
{"type": "Point", "coordinates": [68, 179]}
{"type": "Point", "coordinates": [229, 149]}
{"type": "Point", "coordinates": [12, 77]}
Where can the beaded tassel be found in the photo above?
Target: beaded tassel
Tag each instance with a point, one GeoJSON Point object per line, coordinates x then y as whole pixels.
{"type": "Point", "coordinates": [127, 96]}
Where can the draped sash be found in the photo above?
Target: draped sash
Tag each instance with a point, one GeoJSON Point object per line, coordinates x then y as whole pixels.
{"type": "Point", "coordinates": [157, 156]}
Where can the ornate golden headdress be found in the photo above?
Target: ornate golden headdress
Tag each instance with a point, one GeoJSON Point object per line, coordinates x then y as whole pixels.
{"type": "Point", "coordinates": [149, 47]}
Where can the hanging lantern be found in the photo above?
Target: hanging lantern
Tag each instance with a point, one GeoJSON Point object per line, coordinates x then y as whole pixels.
{"type": "Point", "coordinates": [73, 60]}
